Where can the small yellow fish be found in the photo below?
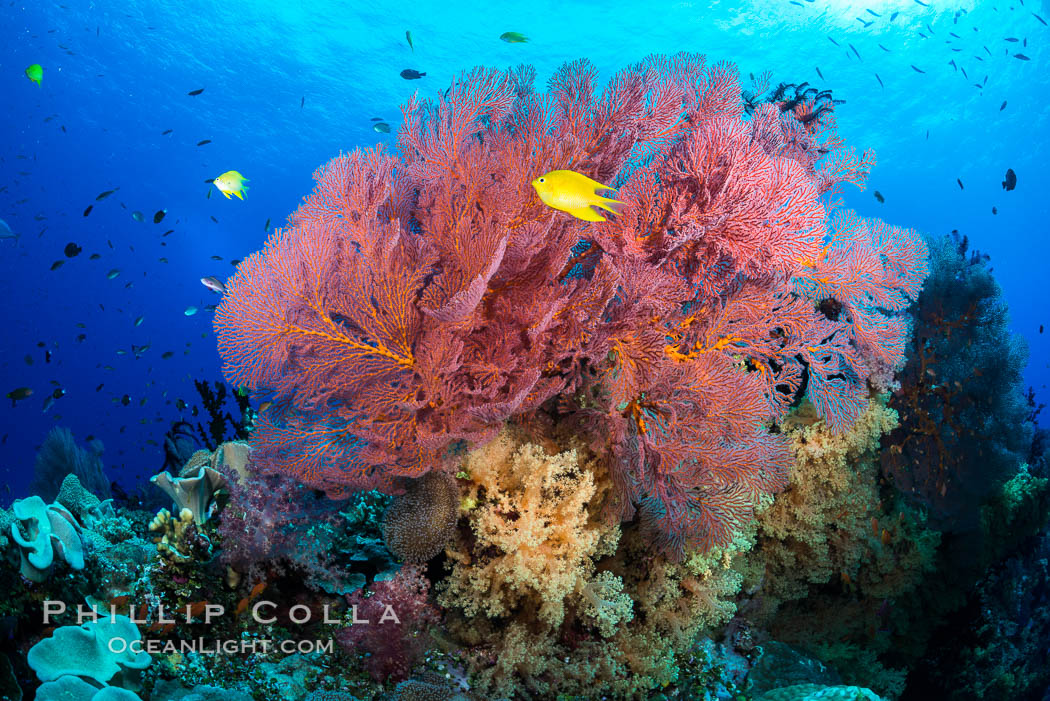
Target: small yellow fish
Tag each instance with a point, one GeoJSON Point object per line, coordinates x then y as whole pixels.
{"type": "Point", "coordinates": [35, 73]}
{"type": "Point", "coordinates": [231, 183]}
{"type": "Point", "coordinates": [569, 191]}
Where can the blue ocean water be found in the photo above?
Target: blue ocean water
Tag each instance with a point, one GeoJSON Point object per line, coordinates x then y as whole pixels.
{"type": "Point", "coordinates": [288, 85]}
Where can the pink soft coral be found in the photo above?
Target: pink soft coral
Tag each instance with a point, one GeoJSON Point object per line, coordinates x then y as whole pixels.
{"type": "Point", "coordinates": [398, 617]}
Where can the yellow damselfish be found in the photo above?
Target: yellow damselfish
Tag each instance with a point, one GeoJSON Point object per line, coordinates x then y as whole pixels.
{"type": "Point", "coordinates": [231, 183]}
{"type": "Point", "coordinates": [35, 73]}
{"type": "Point", "coordinates": [574, 193]}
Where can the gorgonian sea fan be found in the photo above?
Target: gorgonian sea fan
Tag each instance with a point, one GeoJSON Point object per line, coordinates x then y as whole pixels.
{"type": "Point", "coordinates": [417, 302]}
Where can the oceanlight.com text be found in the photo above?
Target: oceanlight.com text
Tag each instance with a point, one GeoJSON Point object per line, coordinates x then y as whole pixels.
{"type": "Point", "coordinates": [202, 646]}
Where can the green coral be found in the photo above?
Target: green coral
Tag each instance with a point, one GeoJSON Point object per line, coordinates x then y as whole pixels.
{"type": "Point", "coordinates": [46, 534]}
{"type": "Point", "coordinates": [76, 689]}
{"type": "Point", "coordinates": [86, 651]}
{"type": "Point", "coordinates": [1020, 509]}
{"type": "Point", "coordinates": [817, 692]}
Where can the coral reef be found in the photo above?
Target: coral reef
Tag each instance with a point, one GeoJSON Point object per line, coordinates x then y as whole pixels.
{"type": "Point", "coordinates": [665, 455]}
{"type": "Point", "coordinates": [416, 303]}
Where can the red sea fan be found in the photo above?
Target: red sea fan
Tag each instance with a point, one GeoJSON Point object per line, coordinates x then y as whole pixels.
{"type": "Point", "coordinates": [418, 302]}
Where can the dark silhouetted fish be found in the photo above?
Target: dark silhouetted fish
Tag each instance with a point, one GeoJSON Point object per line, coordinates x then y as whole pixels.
{"type": "Point", "coordinates": [879, 197]}
{"type": "Point", "coordinates": [1011, 180]}
{"type": "Point", "coordinates": [196, 92]}
{"type": "Point", "coordinates": [409, 74]}
{"type": "Point", "coordinates": [960, 184]}
{"type": "Point", "coordinates": [19, 393]}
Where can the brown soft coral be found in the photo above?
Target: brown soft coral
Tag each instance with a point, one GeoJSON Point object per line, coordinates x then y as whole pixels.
{"type": "Point", "coordinates": [832, 556]}
{"type": "Point", "coordinates": [821, 527]}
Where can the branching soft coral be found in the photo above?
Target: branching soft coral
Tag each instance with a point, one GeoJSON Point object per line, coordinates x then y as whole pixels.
{"type": "Point", "coordinates": [535, 531]}
{"type": "Point", "coordinates": [833, 553]}
{"type": "Point", "coordinates": [398, 617]}
{"type": "Point", "coordinates": [832, 525]}
{"type": "Point", "coordinates": [538, 596]}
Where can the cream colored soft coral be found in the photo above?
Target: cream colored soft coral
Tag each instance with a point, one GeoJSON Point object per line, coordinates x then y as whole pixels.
{"type": "Point", "coordinates": [536, 530]}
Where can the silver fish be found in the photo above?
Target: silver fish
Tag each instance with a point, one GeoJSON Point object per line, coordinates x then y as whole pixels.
{"type": "Point", "coordinates": [213, 283]}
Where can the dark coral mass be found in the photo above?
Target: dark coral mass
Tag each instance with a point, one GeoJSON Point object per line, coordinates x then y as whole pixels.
{"type": "Point", "coordinates": [419, 523]}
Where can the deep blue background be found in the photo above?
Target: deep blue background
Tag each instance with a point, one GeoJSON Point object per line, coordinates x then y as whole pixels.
{"type": "Point", "coordinates": [116, 90]}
